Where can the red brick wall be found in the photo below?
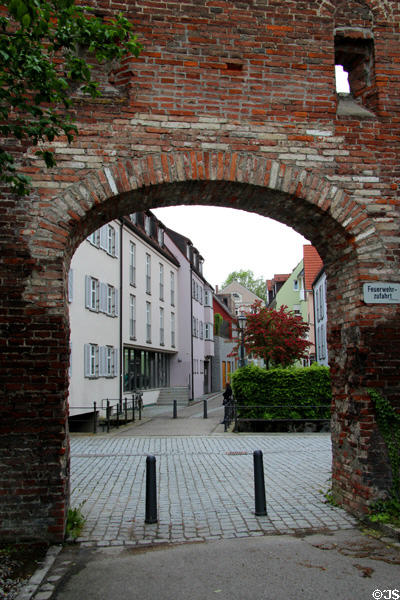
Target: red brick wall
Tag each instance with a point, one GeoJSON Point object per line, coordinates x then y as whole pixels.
{"type": "Point", "coordinates": [232, 103]}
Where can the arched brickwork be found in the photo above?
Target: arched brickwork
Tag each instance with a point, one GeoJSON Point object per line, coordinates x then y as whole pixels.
{"type": "Point", "coordinates": [230, 104]}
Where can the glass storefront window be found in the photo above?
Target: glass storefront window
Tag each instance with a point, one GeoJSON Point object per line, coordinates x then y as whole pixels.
{"type": "Point", "coordinates": [144, 369]}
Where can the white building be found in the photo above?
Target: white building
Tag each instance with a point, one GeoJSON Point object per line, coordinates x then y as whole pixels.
{"type": "Point", "coordinates": [141, 317]}
{"type": "Point", "coordinates": [192, 365]}
{"type": "Point", "coordinates": [321, 319]}
{"type": "Point", "coordinates": [123, 313]}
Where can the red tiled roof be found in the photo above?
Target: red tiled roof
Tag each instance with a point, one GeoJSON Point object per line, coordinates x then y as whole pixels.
{"type": "Point", "coordinates": [312, 265]}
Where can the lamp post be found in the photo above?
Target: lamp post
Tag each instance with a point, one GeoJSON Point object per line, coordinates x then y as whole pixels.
{"type": "Point", "coordinates": [242, 326]}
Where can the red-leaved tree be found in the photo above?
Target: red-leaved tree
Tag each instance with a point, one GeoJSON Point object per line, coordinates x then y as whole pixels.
{"type": "Point", "coordinates": [277, 336]}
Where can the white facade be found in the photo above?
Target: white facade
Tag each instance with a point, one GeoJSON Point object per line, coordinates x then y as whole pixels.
{"type": "Point", "coordinates": [123, 315]}
{"type": "Point", "coordinates": [321, 319]}
{"type": "Point", "coordinates": [191, 367]}
{"type": "Point", "coordinates": [94, 319]}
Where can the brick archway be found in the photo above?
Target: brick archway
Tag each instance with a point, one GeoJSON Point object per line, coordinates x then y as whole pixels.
{"type": "Point", "coordinates": [231, 104]}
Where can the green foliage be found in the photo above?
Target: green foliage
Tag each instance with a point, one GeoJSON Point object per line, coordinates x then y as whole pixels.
{"type": "Point", "coordinates": [276, 336]}
{"type": "Point", "coordinates": [75, 522]}
{"type": "Point", "coordinates": [43, 50]}
{"type": "Point", "coordinates": [218, 320]}
{"type": "Point", "coordinates": [302, 386]}
{"type": "Point", "coordinates": [249, 281]}
{"type": "Point", "coordinates": [388, 420]}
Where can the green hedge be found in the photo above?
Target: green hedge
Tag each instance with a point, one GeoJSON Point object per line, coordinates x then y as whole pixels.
{"type": "Point", "coordinates": [302, 386]}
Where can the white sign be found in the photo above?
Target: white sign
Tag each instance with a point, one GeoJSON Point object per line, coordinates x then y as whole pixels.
{"type": "Point", "coordinates": [380, 292]}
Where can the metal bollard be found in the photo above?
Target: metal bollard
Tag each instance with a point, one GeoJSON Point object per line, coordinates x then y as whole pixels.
{"type": "Point", "coordinates": [259, 485]}
{"type": "Point", "coordinates": [94, 417]}
{"type": "Point", "coordinates": [151, 490]}
{"type": "Point", "coordinates": [108, 416]}
{"type": "Point", "coordinates": [205, 409]}
{"type": "Point", "coordinates": [175, 410]}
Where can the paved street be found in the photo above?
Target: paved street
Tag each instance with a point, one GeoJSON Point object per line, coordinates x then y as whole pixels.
{"type": "Point", "coordinates": [206, 497]}
{"type": "Point", "coordinates": [204, 482]}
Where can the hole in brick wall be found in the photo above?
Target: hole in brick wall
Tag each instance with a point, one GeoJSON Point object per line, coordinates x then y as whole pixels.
{"type": "Point", "coordinates": [234, 66]}
{"type": "Point", "coordinates": [356, 57]}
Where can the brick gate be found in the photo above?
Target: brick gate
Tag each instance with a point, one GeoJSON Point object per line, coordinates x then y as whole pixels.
{"type": "Point", "coordinates": [233, 104]}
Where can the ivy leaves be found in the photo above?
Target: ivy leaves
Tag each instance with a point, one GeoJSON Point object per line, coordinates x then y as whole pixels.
{"type": "Point", "coordinates": [44, 47]}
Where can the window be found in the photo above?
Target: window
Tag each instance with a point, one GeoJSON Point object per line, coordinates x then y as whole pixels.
{"type": "Point", "coordinates": [201, 330]}
{"type": "Point", "coordinates": [207, 298]}
{"type": "Point", "coordinates": [208, 331]}
{"type": "Point", "coordinates": [295, 284]}
{"type": "Point", "coordinates": [94, 238]}
{"type": "Point", "coordinates": [173, 330]}
{"type": "Point", "coordinates": [161, 326]}
{"type": "Point", "coordinates": [91, 293]}
{"type": "Point", "coordinates": [132, 263]}
{"type": "Point", "coordinates": [91, 357]}
{"type": "Point", "coordinates": [109, 240]}
{"type": "Point", "coordinates": [132, 317]}
{"type": "Point", "coordinates": [133, 217]}
{"type": "Point", "coordinates": [172, 280]}
{"type": "Point", "coordinates": [108, 366]}
{"type": "Point", "coordinates": [109, 300]}
{"type": "Point", "coordinates": [148, 274]}
{"type": "Point", "coordinates": [160, 236]}
{"type": "Point", "coordinates": [147, 225]}
{"type": "Point", "coordinates": [148, 322]}
{"type": "Point", "coordinates": [161, 282]}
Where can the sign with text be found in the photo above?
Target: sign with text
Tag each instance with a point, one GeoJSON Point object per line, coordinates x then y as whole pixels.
{"type": "Point", "coordinates": [381, 292]}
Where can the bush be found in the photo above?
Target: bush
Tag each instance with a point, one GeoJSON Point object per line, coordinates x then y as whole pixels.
{"type": "Point", "coordinates": [300, 386]}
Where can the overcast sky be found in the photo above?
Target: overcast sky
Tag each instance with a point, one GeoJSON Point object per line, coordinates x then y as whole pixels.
{"type": "Point", "coordinates": [233, 240]}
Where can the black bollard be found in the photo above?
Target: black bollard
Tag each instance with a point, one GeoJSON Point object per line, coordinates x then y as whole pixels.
{"type": "Point", "coordinates": [259, 485]}
{"type": "Point", "coordinates": [151, 490]}
{"type": "Point", "coordinates": [175, 410]}
{"type": "Point", "coordinates": [205, 409]}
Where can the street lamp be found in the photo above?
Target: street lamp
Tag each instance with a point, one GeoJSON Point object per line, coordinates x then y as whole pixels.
{"type": "Point", "coordinates": [242, 326]}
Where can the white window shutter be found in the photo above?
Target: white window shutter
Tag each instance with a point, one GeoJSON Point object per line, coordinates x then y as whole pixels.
{"type": "Point", "coordinates": [103, 297]}
{"type": "Point", "coordinates": [87, 291]}
{"type": "Point", "coordinates": [87, 360]}
{"type": "Point", "coordinates": [103, 237]}
{"type": "Point", "coordinates": [116, 302]}
{"type": "Point", "coordinates": [116, 362]}
{"type": "Point", "coordinates": [116, 243]}
{"type": "Point", "coordinates": [102, 361]}
{"type": "Point", "coordinates": [70, 285]}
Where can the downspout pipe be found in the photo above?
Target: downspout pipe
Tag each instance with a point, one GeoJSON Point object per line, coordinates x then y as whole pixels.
{"type": "Point", "coordinates": [191, 332]}
{"type": "Point", "coordinates": [121, 273]}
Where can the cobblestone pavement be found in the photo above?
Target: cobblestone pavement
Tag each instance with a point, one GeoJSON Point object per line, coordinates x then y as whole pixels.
{"type": "Point", "coordinates": [205, 487]}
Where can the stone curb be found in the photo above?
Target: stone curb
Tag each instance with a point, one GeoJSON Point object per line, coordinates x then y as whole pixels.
{"type": "Point", "coordinates": [32, 586]}
{"type": "Point", "coordinates": [385, 528]}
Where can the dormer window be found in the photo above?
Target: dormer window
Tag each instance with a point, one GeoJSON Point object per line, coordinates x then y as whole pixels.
{"type": "Point", "coordinates": [147, 225]}
{"type": "Point", "coordinates": [160, 236]}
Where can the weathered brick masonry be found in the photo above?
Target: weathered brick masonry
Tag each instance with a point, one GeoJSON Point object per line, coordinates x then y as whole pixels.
{"type": "Point", "coordinates": [232, 103]}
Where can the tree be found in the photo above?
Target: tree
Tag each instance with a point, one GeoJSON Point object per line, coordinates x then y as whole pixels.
{"type": "Point", "coordinates": [277, 336]}
{"type": "Point", "coordinates": [247, 280]}
{"type": "Point", "coordinates": [44, 50]}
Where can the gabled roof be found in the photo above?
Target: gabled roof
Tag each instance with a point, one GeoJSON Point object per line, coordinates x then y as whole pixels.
{"type": "Point", "coordinates": [312, 265]}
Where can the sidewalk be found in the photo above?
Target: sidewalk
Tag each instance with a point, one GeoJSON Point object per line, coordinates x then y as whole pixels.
{"type": "Point", "coordinates": [345, 565]}
{"type": "Point", "coordinates": [158, 421]}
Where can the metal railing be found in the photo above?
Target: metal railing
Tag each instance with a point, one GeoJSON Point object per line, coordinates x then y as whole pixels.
{"type": "Point", "coordinates": [111, 412]}
{"type": "Point", "coordinates": [291, 414]}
